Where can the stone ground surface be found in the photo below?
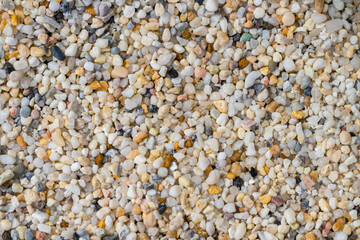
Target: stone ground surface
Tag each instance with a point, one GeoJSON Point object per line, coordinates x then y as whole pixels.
{"type": "Point", "coordinates": [179, 119]}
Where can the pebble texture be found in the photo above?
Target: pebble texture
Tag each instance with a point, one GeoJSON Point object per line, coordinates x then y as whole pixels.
{"type": "Point", "coordinates": [179, 119]}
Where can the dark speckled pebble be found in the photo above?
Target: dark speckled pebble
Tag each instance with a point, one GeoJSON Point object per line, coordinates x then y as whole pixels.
{"type": "Point", "coordinates": [115, 50]}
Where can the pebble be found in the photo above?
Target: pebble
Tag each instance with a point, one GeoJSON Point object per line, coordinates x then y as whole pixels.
{"type": "Point", "coordinates": [7, 159]}
{"type": "Point", "coordinates": [57, 53]}
{"type": "Point", "coordinates": [6, 176]}
{"type": "Point", "coordinates": [345, 138]}
{"type": "Point", "coordinates": [119, 72]}
{"type": "Point", "coordinates": [251, 77]}
{"type": "Point", "coordinates": [211, 5]}
{"type": "Point", "coordinates": [288, 19]}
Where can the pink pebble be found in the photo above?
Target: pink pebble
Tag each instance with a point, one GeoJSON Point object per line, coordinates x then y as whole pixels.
{"type": "Point", "coordinates": [35, 114]}
{"type": "Point", "coordinates": [200, 72]}
{"type": "Point", "coordinates": [152, 91]}
{"type": "Point", "coordinates": [12, 111]}
{"type": "Point", "coordinates": [40, 236]}
{"type": "Point", "coordinates": [247, 124]}
{"type": "Point", "coordinates": [181, 98]}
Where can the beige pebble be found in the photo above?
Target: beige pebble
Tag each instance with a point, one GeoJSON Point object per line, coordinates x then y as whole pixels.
{"type": "Point", "coordinates": [288, 19]}
{"type": "Point", "coordinates": [345, 138]}
{"type": "Point", "coordinates": [37, 52]}
{"type": "Point", "coordinates": [149, 219]}
{"type": "Point", "coordinates": [119, 72]}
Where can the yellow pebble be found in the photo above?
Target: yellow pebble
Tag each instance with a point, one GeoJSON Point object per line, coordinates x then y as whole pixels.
{"type": "Point", "coordinates": [95, 85]}
{"type": "Point", "coordinates": [214, 189]}
{"type": "Point", "coordinates": [37, 52]}
{"type": "Point", "coordinates": [15, 20]}
{"type": "Point", "coordinates": [310, 236]}
{"type": "Point", "coordinates": [221, 105]}
{"type": "Point", "coordinates": [142, 80]}
{"type": "Point", "coordinates": [104, 86]}
{"type": "Point", "coordinates": [2, 24]}
{"type": "Point", "coordinates": [338, 226]}
{"type": "Point", "coordinates": [80, 71]}
{"type": "Point", "coordinates": [101, 224]}
{"type": "Point", "coordinates": [13, 54]}
{"type": "Point", "coordinates": [298, 114]}
{"type": "Point", "coordinates": [144, 107]}
{"type": "Point", "coordinates": [20, 141]}
{"type": "Point", "coordinates": [265, 199]}
{"type": "Point", "coordinates": [43, 141]}
{"type": "Point", "coordinates": [98, 160]}
{"type": "Point", "coordinates": [230, 176]}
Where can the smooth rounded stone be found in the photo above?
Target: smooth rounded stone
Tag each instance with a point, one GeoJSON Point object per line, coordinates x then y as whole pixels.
{"type": "Point", "coordinates": [338, 4]}
{"type": "Point", "coordinates": [115, 50]}
{"type": "Point", "coordinates": [57, 53]}
{"type": "Point", "coordinates": [89, 66]}
{"type": "Point", "coordinates": [289, 64]}
{"type": "Point", "coordinates": [340, 236]}
{"type": "Point", "coordinates": [119, 72]}
{"type": "Point", "coordinates": [175, 191]}
{"type": "Point", "coordinates": [213, 177]}
{"type": "Point", "coordinates": [164, 59]}
{"type": "Point", "coordinates": [334, 25]}
{"type": "Point", "coordinates": [29, 235]}
{"type": "Point", "coordinates": [25, 111]}
{"type": "Point", "coordinates": [103, 9]}
{"type": "Point", "coordinates": [288, 19]}
{"type": "Point", "coordinates": [6, 176]}
{"type": "Point", "coordinates": [229, 207]}
{"type": "Point", "coordinates": [251, 77]}
{"type": "Point", "coordinates": [211, 5]}
{"type": "Point", "coordinates": [305, 82]}
{"type": "Point", "coordinates": [259, 12]}
{"type": "Point", "coordinates": [18, 170]}
{"type": "Point", "coordinates": [54, 6]}
{"type": "Point", "coordinates": [297, 106]}
{"type": "Point", "coordinates": [319, 64]}
{"type": "Point", "coordinates": [318, 17]}
{"type": "Point", "coordinates": [7, 159]}
{"type": "Point", "coordinates": [290, 216]}
{"type": "Point", "coordinates": [15, 76]}
{"type": "Point", "coordinates": [345, 138]}
{"type": "Point", "coordinates": [203, 163]}
{"type": "Point", "coordinates": [71, 50]}
{"type": "Point", "coordinates": [14, 234]}
{"type": "Point", "coordinates": [287, 86]}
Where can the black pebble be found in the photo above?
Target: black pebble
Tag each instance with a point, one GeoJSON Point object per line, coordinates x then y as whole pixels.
{"type": "Point", "coordinates": [40, 187]}
{"type": "Point", "coordinates": [307, 91]}
{"type": "Point", "coordinates": [162, 208]}
{"type": "Point", "coordinates": [6, 235]}
{"type": "Point", "coordinates": [120, 132]}
{"type": "Point", "coordinates": [173, 73]}
{"type": "Point", "coordinates": [152, 108]}
{"type": "Point", "coordinates": [57, 53]}
{"type": "Point", "coordinates": [76, 236]}
{"type": "Point", "coordinates": [236, 37]}
{"type": "Point", "coordinates": [208, 131]}
{"type": "Point", "coordinates": [113, 237]}
{"type": "Point", "coordinates": [305, 203]}
{"type": "Point", "coordinates": [298, 179]}
{"type": "Point", "coordinates": [64, 6]}
{"type": "Point", "coordinates": [199, 1]}
{"type": "Point", "coordinates": [96, 204]}
{"type": "Point", "coordinates": [147, 186]}
{"type": "Point", "coordinates": [238, 182]}
{"type": "Point", "coordinates": [253, 172]}
{"type": "Point", "coordinates": [9, 67]}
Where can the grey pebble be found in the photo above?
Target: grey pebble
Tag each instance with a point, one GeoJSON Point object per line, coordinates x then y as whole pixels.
{"type": "Point", "coordinates": [287, 86]}
{"type": "Point", "coordinates": [297, 106]}
{"type": "Point", "coordinates": [29, 235]}
{"type": "Point", "coordinates": [14, 234]}
{"type": "Point", "coordinates": [25, 111]}
{"type": "Point", "coordinates": [305, 82]}
{"type": "Point", "coordinates": [19, 170]}
{"type": "Point", "coordinates": [115, 50]}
